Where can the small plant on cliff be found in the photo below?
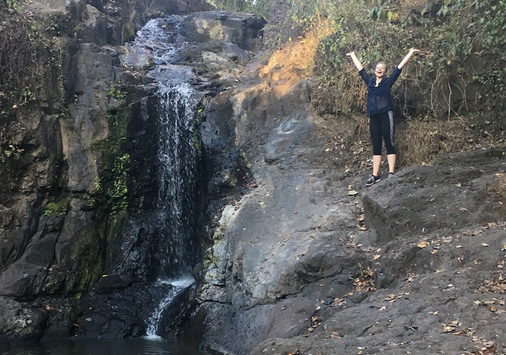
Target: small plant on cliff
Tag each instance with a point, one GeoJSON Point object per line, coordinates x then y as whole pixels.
{"type": "Point", "coordinates": [29, 58]}
{"type": "Point", "coordinates": [116, 93]}
{"type": "Point", "coordinates": [57, 207]}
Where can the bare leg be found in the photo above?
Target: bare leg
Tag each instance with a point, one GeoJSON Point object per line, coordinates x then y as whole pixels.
{"type": "Point", "coordinates": [376, 162]}
{"type": "Point", "coordinates": [391, 163]}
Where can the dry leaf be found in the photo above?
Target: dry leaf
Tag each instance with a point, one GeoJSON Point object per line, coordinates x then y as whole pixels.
{"type": "Point", "coordinates": [390, 298]}
{"type": "Point", "coordinates": [382, 308]}
{"type": "Point", "coordinates": [352, 192]}
{"type": "Point", "coordinates": [423, 244]}
{"type": "Point", "coordinates": [376, 257]}
{"type": "Point", "coordinates": [485, 244]}
{"type": "Point", "coordinates": [335, 335]}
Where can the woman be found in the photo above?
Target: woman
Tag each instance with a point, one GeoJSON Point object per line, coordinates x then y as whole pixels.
{"type": "Point", "coordinates": [379, 108]}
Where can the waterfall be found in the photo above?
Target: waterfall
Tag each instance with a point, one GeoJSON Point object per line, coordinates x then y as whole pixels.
{"type": "Point", "coordinates": [159, 41]}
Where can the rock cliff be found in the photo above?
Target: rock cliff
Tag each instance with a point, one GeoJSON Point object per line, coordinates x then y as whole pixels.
{"type": "Point", "coordinates": [310, 261]}
{"type": "Point", "coordinates": [77, 162]}
{"type": "Point", "coordinates": [297, 255]}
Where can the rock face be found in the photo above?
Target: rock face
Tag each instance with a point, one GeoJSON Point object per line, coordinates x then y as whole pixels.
{"type": "Point", "coordinates": [412, 264]}
{"type": "Point", "coordinates": [77, 165]}
{"type": "Point", "coordinates": [293, 262]}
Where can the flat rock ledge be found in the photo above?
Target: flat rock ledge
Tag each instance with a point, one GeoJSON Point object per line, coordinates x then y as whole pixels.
{"type": "Point", "coordinates": [434, 279]}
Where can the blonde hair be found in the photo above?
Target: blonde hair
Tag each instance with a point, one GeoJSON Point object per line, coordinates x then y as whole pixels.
{"type": "Point", "coordinates": [383, 65]}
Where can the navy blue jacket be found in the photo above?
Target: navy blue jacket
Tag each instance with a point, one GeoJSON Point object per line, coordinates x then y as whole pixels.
{"type": "Point", "coordinates": [379, 98]}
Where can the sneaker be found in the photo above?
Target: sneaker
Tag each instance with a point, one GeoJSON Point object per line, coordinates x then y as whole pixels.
{"type": "Point", "coordinates": [372, 180]}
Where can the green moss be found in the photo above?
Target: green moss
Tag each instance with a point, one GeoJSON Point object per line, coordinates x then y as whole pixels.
{"type": "Point", "coordinates": [111, 190]}
{"type": "Point", "coordinates": [128, 33]}
{"type": "Point", "coordinates": [197, 142]}
{"type": "Point", "coordinates": [57, 207]}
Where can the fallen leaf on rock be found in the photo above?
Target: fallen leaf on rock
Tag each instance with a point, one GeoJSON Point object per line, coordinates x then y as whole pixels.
{"type": "Point", "coordinates": [301, 254]}
{"type": "Point", "coordinates": [376, 257]}
{"type": "Point", "coordinates": [485, 244]}
{"type": "Point", "coordinates": [463, 209]}
{"type": "Point", "coordinates": [423, 244]}
{"type": "Point", "coordinates": [489, 347]}
{"type": "Point", "coordinates": [261, 203]}
{"type": "Point", "coordinates": [337, 302]}
{"type": "Point", "coordinates": [352, 192]}
{"type": "Point", "coordinates": [313, 236]}
{"type": "Point", "coordinates": [390, 298]}
{"type": "Point", "coordinates": [434, 251]}
{"type": "Point", "coordinates": [335, 335]}
{"type": "Point", "coordinates": [493, 309]}
{"type": "Point", "coordinates": [382, 308]}
{"type": "Point", "coordinates": [362, 228]}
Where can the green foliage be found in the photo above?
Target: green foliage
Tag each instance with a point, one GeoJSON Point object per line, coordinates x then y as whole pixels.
{"type": "Point", "coordinates": [29, 58]}
{"type": "Point", "coordinates": [57, 207]}
{"type": "Point", "coordinates": [261, 7]}
{"type": "Point", "coordinates": [118, 187]}
{"type": "Point", "coordinates": [15, 5]}
{"type": "Point", "coordinates": [116, 92]}
{"type": "Point", "coordinates": [459, 70]}
{"type": "Point", "coordinates": [112, 188]}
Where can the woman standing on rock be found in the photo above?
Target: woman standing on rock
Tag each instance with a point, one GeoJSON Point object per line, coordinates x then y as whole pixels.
{"type": "Point", "coordinates": [379, 108]}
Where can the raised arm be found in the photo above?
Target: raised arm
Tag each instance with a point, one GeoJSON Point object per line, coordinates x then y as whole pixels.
{"type": "Point", "coordinates": [406, 58]}
{"type": "Point", "coordinates": [355, 60]}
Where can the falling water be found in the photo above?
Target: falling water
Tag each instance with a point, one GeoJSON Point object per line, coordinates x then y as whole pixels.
{"type": "Point", "coordinates": [160, 41]}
